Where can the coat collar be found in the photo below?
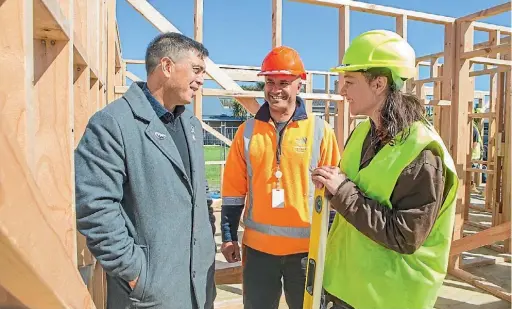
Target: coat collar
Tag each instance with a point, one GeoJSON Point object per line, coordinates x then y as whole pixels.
{"type": "Point", "coordinates": [146, 107]}
{"type": "Point", "coordinates": [158, 134]}
{"type": "Point", "coordinates": [263, 113]}
{"type": "Point", "coordinates": [138, 102]}
{"type": "Point", "coordinates": [163, 113]}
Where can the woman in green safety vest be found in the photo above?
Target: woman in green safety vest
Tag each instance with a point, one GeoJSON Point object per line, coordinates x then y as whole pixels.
{"type": "Point", "coordinates": [394, 191]}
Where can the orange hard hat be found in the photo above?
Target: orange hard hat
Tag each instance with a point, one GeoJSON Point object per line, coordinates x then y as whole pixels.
{"type": "Point", "coordinates": [283, 60]}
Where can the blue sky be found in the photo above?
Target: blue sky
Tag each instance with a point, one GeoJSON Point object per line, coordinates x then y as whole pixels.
{"type": "Point", "coordinates": [239, 32]}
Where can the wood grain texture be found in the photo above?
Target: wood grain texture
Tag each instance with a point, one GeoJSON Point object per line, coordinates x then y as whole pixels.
{"type": "Point", "coordinates": [34, 256]}
{"type": "Point", "coordinates": [495, 10]}
{"type": "Point", "coordinates": [480, 239]}
{"type": "Point", "coordinates": [481, 283]}
{"type": "Point", "coordinates": [17, 68]}
{"type": "Point", "coordinates": [228, 273]}
{"type": "Point", "coordinates": [9, 301]}
{"type": "Point", "coordinates": [53, 142]}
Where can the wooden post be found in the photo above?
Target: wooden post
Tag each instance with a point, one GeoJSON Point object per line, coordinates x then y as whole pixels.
{"type": "Point", "coordinates": [54, 138]}
{"type": "Point", "coordinates": [198, 36]}
{"type": "Point", "coordinates": [343, 114]}
{"type": "Point", "coordinates": [309, 89]}
{"type": "Point", "coordinates": [401, 26]}
{"type": "Point", "coordinates": [43, 42]}
{"type": "Point", "coordinates": [462, 96]}
{"type": "Point", "coordinates": [499, 154]}
{"type": "Point", "coordinates": [99, 287]}
{"type": "Point", "coordinates": [111, 50]}
{"type": "Point", "coordinates": [222, 168]}
{"type": "Point", "coordinates": [507, 168]}
{"type": "Point", "coordinates": [478, 122]}
{"type": "Point", "coordinates": [410, 85]}
{"type": "Point", "coordinates": [436, 71]}
{"type": "Point", "coordinates": [494, 39]}
{"type": "Point", "coordinates": [277, 22]}
{"type": "Point", "coordinates": [445, 111]}
{"type": "Point", "coordinates": [446, 86]}
{"type": "Point", "coordinates": [327, 110]}
{"type": "Point", "coordinates": [401, 29]}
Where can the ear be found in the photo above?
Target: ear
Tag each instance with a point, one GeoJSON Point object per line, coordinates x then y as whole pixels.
{"type": "Point", "coordinates": [167, 66]}
{"type": "Point", "coordinates": [299, 85]}
{"type": "Point", "coordinates": [379, 84]}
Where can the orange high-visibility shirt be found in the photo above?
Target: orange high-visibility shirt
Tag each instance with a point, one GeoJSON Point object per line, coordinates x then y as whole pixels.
{"type": "Point", "coordinates": [249, 178]}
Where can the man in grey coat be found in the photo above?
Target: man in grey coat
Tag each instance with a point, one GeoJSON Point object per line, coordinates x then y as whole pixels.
{"type": "Point", "coordinates": [140, 186]}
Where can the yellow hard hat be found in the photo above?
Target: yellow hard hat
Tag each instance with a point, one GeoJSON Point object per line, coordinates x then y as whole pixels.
{"type": "Point", "coordinates": [380, 49]}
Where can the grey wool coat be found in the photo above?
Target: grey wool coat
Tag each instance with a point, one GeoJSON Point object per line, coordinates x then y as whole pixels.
{"type": "Point", "coordinates": [141, 214]}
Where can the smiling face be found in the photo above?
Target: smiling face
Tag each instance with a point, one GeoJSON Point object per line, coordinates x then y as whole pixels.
{"type": "Point", "coordinates": [362, 96]}
{"type": "Point", "coordinates": [183, 77]}
{"type": "Point", "coordinates": [281, 91]}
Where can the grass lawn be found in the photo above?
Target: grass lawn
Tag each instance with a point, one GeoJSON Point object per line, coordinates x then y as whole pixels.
{"type": "Point", "coordinates": [214, 153]}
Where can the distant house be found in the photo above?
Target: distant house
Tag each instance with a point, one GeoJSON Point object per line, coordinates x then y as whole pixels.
{"type": "Point", "coordinates": [225, 124]}
{"type": "Point", "coordinates": [222, 120]}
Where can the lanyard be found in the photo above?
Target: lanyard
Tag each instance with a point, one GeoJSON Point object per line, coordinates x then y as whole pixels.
{"type": "Point", "coordinates": [278, 173]}
{"type": "Point", "coordinates": [279, 142]}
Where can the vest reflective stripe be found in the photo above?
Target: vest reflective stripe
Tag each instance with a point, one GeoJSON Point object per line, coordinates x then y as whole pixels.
{"type": "Point", "coordinates": [285, 231]}
{"type": "Point", "coordinates": [249, 128]}
{"type": "Point", "coordinates": [233, 201]}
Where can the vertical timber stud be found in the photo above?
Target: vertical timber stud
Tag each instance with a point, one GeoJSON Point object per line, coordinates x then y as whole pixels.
{"type": "Point", "coordinates": [507, 168]}
{"type": "Point", "coordinates": [461, 98]}
{"type": "Point", "coordinates": [103, 52]}
{"type": "Point", "coordinates": [327, 110]}
{"type": "Point", "coordinates": [435, 71]}
{"type": "Point", "coordinates": [343, 117]}
{"type": "Point", "coordinates": [16, 105]}
{"type": "Point", "coordinates": [309, 89]}
{"type": "Point", "coordinates": [499, 142]}
{"type": "Point", "coordinates": [494, 39]}
{"type": "Point", "coordinates": [52, 167]}
{"type": "Point", "coordinates": [277, 22]}
{"type": "Point", "coordinates": [198, 36]}
{"type": "Point", "coordinates": [401, 25]}
{"type": "Point", "coordinates": [111, 50]}
{"type": "Point", "coordinates": [446, 86]}
{"type": "Point", "coordinates": [401, 29]}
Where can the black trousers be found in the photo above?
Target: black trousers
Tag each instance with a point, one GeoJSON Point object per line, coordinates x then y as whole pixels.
{"type": "Point", "coordinates": [265, 276]}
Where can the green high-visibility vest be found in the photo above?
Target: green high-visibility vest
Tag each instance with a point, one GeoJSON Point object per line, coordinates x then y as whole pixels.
{"type": "Point", "coordinates": [364, 273]}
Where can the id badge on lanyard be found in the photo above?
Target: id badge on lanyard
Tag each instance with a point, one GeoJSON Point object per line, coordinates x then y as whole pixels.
{"type": "Point", "coordinates": [278, 191]}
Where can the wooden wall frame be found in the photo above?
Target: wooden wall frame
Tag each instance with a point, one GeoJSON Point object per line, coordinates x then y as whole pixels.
{"type": "Point", "coordinates": [62, 61]}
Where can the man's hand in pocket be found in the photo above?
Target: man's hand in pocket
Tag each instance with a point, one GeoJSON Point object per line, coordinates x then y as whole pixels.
{"type": "Point", "coordinates": [133, 283]}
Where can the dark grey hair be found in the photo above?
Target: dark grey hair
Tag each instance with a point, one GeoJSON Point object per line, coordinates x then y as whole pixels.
{"type": "Point", "coordinates": [399, 111]}
{"type": "Point", "coordinates": [172, 45]}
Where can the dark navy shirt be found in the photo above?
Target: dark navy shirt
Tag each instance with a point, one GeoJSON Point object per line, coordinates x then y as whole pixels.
{"type": "Point", "coordinates": [172, 122]}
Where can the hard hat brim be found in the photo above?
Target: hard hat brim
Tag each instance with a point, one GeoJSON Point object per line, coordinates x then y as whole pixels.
{"type": "Point", "coordinates": [282, 72]}
{"type": "Point", "coordinates": [400, 71]}
{"type": "Point", "coordinates": [349, 68]}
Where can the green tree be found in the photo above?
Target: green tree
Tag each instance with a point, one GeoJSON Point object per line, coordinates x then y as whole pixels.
{"type": "Point", "coordinates": [237, 108]}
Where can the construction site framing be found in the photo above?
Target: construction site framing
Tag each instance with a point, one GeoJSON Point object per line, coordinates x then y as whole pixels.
{"type": "Point", "coordinates": [61, 62]}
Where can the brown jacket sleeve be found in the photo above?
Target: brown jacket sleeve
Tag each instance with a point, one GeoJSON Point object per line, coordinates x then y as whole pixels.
{"type": "Point", "coordinates": [416, 200]}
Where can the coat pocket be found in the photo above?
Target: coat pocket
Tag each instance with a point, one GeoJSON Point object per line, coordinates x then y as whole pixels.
{"type": "Point", "coordinates": [137, 294]}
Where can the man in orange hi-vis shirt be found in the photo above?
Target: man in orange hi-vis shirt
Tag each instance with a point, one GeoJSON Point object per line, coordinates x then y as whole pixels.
{"type": "Point", "coordinates": [268, 174]}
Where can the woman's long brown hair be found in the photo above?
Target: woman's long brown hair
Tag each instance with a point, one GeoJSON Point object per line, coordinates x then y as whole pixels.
{"type": "Point", "coordinates": [399, 111]}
